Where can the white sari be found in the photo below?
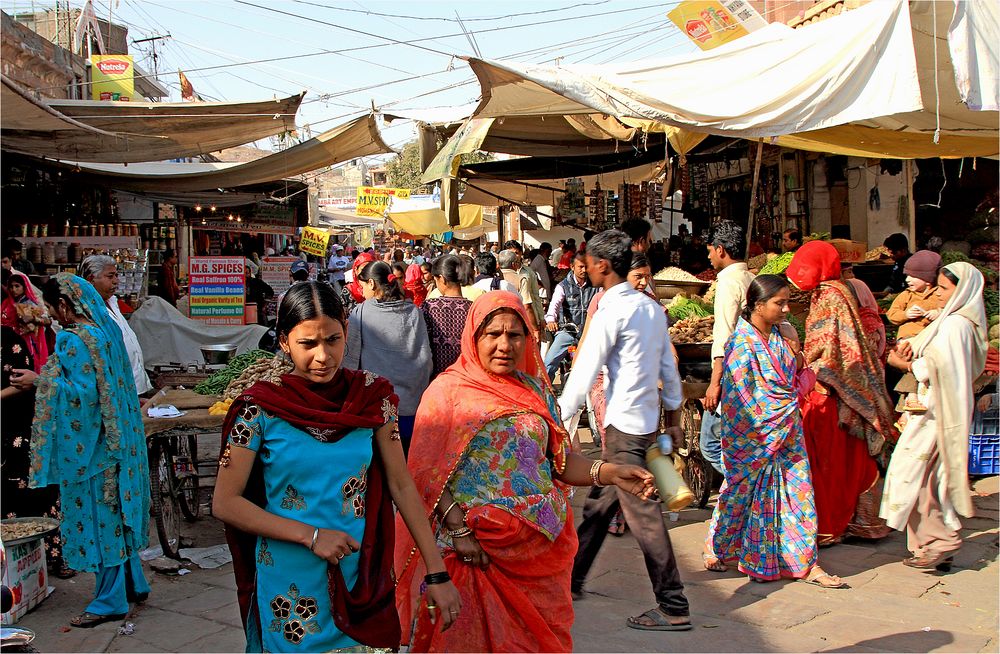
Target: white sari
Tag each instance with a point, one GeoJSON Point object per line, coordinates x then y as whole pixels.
{"type": "Point", "coordinates": [948, 356]}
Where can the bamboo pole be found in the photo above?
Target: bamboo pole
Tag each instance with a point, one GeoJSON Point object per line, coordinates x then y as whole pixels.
{"type": "Point", "coordinates": [753, 192]}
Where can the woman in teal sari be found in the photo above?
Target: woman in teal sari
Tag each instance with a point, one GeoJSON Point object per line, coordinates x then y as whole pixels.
{"type": "Point", "coordinates": [87, 437]}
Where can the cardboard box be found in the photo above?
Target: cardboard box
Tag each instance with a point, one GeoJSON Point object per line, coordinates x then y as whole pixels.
{"type": "Point", "coordinates": [850, 251]}
{"type": "Point", "coordinates": [27, 577]}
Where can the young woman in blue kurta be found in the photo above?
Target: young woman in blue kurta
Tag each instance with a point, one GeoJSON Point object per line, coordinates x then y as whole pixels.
{"type": "Point", "coordinates": [310, 470]}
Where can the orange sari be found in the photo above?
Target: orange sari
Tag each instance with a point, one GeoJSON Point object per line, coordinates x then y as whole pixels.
{"type": "Point", "coordinates": [522, 601]}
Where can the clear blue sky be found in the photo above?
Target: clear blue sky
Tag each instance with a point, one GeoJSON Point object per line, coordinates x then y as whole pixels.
{"type": "Point", "coordinates": [361, 63]}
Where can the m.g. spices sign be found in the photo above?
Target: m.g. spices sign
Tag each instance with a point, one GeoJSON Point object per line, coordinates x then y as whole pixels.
{"type": "Point", "coordinates": [112, 77]}
{"type": "Point", "coordinates": [217, 289]}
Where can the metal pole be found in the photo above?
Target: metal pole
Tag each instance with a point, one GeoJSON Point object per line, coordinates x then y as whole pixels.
{"type": "Point", "coordinates": [753, 191]}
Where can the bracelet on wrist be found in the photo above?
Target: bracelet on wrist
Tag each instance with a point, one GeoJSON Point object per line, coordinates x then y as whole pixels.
{"type": "Point", "coordinates": [595, 473]}
{"type": "Point", "coordinates": [461, 532]}
{"type": "Point", "coordinates": [312, 545]}
{"type": "Point", "coordinates": [435, 578]}
{"type": "Point", "coordinates": [444, 514]}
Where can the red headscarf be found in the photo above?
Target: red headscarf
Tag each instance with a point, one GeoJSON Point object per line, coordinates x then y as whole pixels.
{"type": "Point", "coordinates": [353, 399]}
{"type": "Point", "coordinates": [414, 283]}
{"type": "Point", "coordinates": [455, 407]}
{"type": "Point", "coordinates": [813, 263]}
{"type": "Point", "coordinates": [34, 335]}
{"type": "Point", "coordinates": [355, 286]}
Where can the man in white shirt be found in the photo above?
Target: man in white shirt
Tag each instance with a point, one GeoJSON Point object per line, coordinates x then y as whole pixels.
{"type": "Point", "coordinates": [102, 272]}
{"type": "Point", "coordinates": [486, 277]}
{"type": "Point", "coordinates": [336, 266]}
{"type": "Point", "coordinates": [629, 335]}
{"type": "Point", "coordinates": [726, 251]}
{"type": "Point", "coordinates": [567, 313]}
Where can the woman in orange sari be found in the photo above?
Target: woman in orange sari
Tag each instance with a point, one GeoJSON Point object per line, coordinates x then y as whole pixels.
{"type": "Point", "coordinates": [493, 464]}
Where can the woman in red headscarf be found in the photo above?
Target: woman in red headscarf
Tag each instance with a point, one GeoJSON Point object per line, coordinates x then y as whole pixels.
{"type": "Point", "coordinates": [413, 282]}
{"type": "Point", "coordinates": [492, 462]}
{"type": "Point", "coordinates": [352, 293]}
{"type": "Point", "coordinates": [25, 315]}
{"type": "Point", "coordinates": [848, 416]}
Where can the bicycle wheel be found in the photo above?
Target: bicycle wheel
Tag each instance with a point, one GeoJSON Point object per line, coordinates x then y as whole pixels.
{"type": "Point", "coordinates": [163, 486]}
{"type": "Point", "coordinates": [186, 474]}
{"type": "Point", "coordinates": [698, 475]}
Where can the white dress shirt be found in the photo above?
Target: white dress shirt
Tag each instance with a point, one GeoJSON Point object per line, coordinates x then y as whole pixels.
{"type": "Point", "coordinates": [629, 335]}
{"type": "Point", "coordinates": [486, 285]}
{"type": "Point", "coordinates": [142, 383]}
{"type": "Point", "coordinates": [730, 298]}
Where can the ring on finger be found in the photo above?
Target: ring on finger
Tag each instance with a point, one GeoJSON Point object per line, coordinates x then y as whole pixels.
{"type": "Point", "coordinates": [467, 559]}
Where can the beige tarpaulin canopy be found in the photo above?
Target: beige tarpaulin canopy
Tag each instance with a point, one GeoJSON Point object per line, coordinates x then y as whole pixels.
{"type": "Point", "coordinates": [130, 132]}
{"type": "Point", "coordinates": [357, 138]}
{"type": "Point", "coordinates": [424, 217]}
{"type": "Point", "coordinates": [870, 67]}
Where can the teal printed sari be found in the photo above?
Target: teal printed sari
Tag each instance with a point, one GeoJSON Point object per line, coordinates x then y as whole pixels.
{"type": "Point", "coordinates": [87, 437]}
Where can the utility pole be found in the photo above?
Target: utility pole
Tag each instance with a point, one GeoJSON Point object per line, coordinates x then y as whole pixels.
{"type": "Point", "coordinates": [152, 40]}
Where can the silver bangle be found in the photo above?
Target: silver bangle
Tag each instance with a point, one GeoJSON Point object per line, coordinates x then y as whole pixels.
{"type": "Point", "coordinates": [312, 546]}
{"type": "Point", "coordinates": [595, 473]}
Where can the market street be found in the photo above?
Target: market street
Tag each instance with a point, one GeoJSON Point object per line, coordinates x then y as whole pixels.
{"type": "Point", "coordinates": [889, 607]}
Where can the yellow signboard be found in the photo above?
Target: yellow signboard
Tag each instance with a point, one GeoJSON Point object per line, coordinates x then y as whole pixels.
{"type": "Point", "coordinates": [373, 200]}
{"type": "Point", "coordinates": [314, 241]}
{"type": "Point", "coordinates": [112, 77]}
{"type": "Point", "coordinates": [710, 23]}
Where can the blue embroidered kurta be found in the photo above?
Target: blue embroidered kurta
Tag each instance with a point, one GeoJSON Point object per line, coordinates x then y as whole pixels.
{"type": "Point", "coordinates": [320, 484]}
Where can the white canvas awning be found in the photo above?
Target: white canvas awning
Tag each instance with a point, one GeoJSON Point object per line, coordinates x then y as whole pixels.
{"type": "Point", "coordinates": [130, 132]}
{"type": "Point", "coordinates": [872, 68]}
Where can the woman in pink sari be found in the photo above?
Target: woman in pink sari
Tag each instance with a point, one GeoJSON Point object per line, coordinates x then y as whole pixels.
{"type": "Point", "coordinates": [25, 314]}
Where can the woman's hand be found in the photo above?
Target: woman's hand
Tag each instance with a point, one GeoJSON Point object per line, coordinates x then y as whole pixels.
{"type": "Point", "coordinates": [447, 604]}
{"type": "Point", "coordinates": [333, 545]}
{"type": "Point", "coordinates": [932, 314]}
{"type": "Point", "coordinates": [631, 479]}
{"type": "Point", "coordinates": [470, 552]}
{"type": "Point", "coordinates": [22, 378]}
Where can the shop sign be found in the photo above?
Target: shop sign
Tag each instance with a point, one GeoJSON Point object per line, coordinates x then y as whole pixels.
{"type": "Point", "coordinates": [276, 272]}
{"type": "Point", "coordinates": [373, 201]}
{"type": "Point", "coordinates": [217, 289]}
{"type": "Point", "coordinates": [344, 204]}
{"type": "Point", "coordinates": [711, 23]}
{"type": "Point", "coordinates": [364, 237]}
{"type": "Point", "coordinates": [313, 241]}
{"type": "Point", "coordinates": [112, 77]}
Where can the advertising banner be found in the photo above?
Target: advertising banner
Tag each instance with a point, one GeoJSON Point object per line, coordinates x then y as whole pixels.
{"type": "Point", "coordinates": [373, 200]}
{"type": "Point", "coordinates": [710, 23]}
{"type": "Point", "coordinates": [112, 77]}
{"type": "Point", "coordinates": [217, 289]}
{"type": "Point", "coordinates": [313, 241]}
{"type": "Point", "coordinates": [276, 272]}
{"type": "Point", "coordinates": [364, 237]}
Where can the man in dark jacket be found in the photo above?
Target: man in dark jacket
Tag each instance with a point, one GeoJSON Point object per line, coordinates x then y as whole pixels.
{"type": "Point", "coordinates": [568, 312]}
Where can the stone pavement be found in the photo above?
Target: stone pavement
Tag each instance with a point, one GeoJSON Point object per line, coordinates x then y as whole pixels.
{"type": "Point", "coordinates": [889, 607]}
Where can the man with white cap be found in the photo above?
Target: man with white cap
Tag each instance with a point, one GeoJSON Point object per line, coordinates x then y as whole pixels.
{"type": "Point", "coordinates": [337, 265]}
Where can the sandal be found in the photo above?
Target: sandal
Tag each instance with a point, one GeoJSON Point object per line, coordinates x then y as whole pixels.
{"type": "Point", "coordinates": [817, 575]}
{"type": "Point", "coordinates": [87, 620]}
{"type": "Point", "coordinates": [617, 526]}
{"type": "Point", "coordinates": [661, 622]}
{"type": "Point", "coordinates": [62, 572]}
{"type": "Point", "coordinates": [713, 563]}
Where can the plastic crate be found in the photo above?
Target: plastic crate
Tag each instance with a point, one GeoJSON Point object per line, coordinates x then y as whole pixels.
{"type": "Point", "coordinates": [984, 454]}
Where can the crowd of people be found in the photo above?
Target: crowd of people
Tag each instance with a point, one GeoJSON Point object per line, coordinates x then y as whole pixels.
{"type": "Point", "coordinates": [417, 398]}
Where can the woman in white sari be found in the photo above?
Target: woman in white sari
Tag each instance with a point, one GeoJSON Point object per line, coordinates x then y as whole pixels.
{"type": "Point", "coordinates": [927, 486]}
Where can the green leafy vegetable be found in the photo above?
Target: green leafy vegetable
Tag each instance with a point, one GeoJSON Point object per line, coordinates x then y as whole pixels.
{"type": "Point", "coordinates": [217, 382]}
{"type": "Point", "coordinates": [777, 265]}
{"type": "Point", "coordinates": [682, 307]}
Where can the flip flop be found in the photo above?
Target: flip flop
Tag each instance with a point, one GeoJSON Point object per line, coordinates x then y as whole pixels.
{"type": "Point", "coordinates": [718, 565]}
{"type": "Point", "coordinates": [87, 620]}
{"type": "Point", "coordinates": [660, 622]}
{"type": "Point", "coordinates": [815, 580]}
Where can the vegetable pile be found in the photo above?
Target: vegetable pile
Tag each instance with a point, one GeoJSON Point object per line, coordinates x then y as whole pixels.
{"type": "Point", "coordinates": [682, 307]}
{"type": "Point", "coordinates": [217, 382]}
{"type": "Point", "coordinates": [693, 330]}
{"type": "Point", "coordinates": [777, 265]}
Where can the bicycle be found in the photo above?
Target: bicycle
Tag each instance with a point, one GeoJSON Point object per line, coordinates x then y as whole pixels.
{"type": "Point", "coordinates": [698, 474]}
{"type": "Point", "coordinates": [174, 485]}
